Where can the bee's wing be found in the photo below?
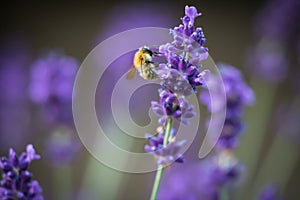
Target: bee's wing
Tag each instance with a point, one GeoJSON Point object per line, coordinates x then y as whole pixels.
{"type": "Point", "coordinates": [131, 73]}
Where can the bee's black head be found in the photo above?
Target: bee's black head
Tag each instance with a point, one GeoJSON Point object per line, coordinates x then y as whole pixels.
{"type": "Point", "coordinates": [147, 50]}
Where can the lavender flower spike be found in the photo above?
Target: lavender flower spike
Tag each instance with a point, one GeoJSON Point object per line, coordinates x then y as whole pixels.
{"type": "Point", "coordinates": [238, 96]}
{"type": "Point", "coordinates": [180, 76]}
{"type": "Point", "coordinates": [182, 73]}
{"type": "Point", "coordinates": [51, 86]}
{"type": "Point", "coordinates": [16, 179]}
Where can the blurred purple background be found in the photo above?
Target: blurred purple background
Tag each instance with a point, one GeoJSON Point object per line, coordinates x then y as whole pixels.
{"type": "Point", "coordinates": [261, 38]}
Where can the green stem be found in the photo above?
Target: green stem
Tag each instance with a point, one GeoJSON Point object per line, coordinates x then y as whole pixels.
{"type": "Point", "coordinates": [160, 169]}
{"type": "Point", "coordinates": [63, 183]}
{"type": "Point", "coordinates": [168, 131]}
{"type": "Point", "coordinates": [226, 193]}
{"type": "Point", "coordinates": [157, 181]}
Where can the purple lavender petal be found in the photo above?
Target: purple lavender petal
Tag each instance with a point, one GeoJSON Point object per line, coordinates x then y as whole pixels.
{"type": "Point", "coordinates": [192, 13]}
{"type": "Point", "coordinates": [17, 180]}
{"type": "Point", "coordinates": [31, 155]}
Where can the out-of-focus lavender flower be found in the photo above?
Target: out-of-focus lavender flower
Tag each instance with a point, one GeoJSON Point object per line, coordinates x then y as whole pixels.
{"type": "Point", "coordinates": [16, 179]}
{"type": "Point", "coordinates": [62, 147]}
{"type": "Point", "coordinates": [209, 176]}
{"type": "Point", "coordinates": [277, 19]}
{"type": "Point", "coordinates": [287, 118]}
{"type": "Point", "coordinates": [51, 86]}
{"type": "Point", "coordinates": [231, 130]}
{"type": "Point", "coordinates": [274, 26]}
{"type": "Point", "coordinates": [14, 115]}
{"type": "Point", "coordinates": [269, 192]}
{"type": "Point", "coordinates": [237, 91]}
{"type": "Point", "coordinates": [268, 60]}
{"type": "Point", "coordinates": [238, 95]}
{"type": "Point", "coordinates": [227, 169]}
{"type": "Point", "coordinates": [184, 185]}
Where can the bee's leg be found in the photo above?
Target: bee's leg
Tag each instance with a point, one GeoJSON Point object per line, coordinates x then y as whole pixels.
{"type": "Point", "coordinates": [149, 62]}
{"type": "Point", "coordinates": [142, 70]}
{"type": "Point", "coordinates": [156, 53]}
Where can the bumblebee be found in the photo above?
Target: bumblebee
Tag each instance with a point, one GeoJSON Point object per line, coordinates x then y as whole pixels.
{"type": "Point", "coordinates": [142, 62]}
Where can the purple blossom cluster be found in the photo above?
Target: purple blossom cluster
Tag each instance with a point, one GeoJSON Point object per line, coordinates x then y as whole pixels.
{"type": "Point", "coordinates": [14, 111]}
{"type": "Point", "coordinates": [16, 179]}
{"type": "Point", "coordinates": [168, 154]}
{"type": "Point", "coordinates": [238, 96]}
{"type": "Point", "coordinates": [226, 168]}
{"type": "Point", "coordinates": [188, 46]}
{"type": "Point", "coordinates": [51, 86]}
{"type": "Point", "coordinates": [208, 179]}
{"type": "Point", "coordinates": [184, 185]}
{"type": "Point", "coordinates": [172, 106]}
{"type": "Point", "coordinates": [180, 76]}
{"type": "Point", "coordinates": [182, 73]}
